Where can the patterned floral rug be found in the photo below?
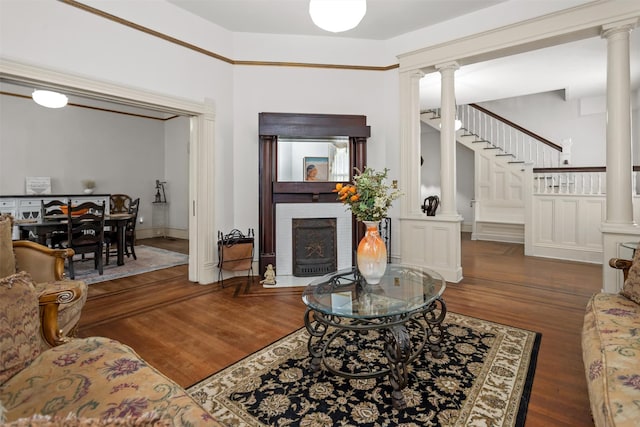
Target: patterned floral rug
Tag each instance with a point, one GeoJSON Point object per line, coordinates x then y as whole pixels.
{"type": "Point", "coordinates": [484, 378]}
{"type": "Point", "coordinates": [149, 259]}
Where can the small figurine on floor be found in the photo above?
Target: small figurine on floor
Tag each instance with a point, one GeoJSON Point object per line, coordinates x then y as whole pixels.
{"type": "Point", "coordinates": [269, 276]}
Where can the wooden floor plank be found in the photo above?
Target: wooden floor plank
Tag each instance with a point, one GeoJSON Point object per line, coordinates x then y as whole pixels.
{"type": "Point", "coordinates": [189, 331]}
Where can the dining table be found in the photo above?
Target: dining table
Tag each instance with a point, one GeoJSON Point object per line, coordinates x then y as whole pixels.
{"type": "Point", "coordinates": [42, 226]}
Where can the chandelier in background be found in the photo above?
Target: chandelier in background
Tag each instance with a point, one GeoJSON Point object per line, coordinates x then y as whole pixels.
{"type": "Point", "coordinates": [49, 99]}
{"type": "Point", "coordinates": [337, 15]}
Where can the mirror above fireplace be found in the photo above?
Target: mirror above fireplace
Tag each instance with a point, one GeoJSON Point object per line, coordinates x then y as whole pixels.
{"type": "Point", "coordinates": [313, 159]}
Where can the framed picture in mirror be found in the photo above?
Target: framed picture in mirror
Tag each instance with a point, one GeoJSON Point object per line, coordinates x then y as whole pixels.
{"type": "Point", "coordinates": [316, 168]}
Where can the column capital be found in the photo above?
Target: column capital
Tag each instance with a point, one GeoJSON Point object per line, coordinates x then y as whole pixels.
{"type": "Point", "coordinates": [453, 65]}
{"type": "Point", "coordinates": [416, 74]}
{"type": "Point", "coordinates": [625, 26]}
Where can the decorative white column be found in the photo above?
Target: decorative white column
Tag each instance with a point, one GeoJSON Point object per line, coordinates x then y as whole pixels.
{"type": "Point", "coordinates": [434, 241]}
{"type": "Point", "coordinates": [448, 140]}
{"type": "Point", "coordinates": [410, 143]}
{"type": "Point", "coordinates": [619, 159]}
{"type": "Point", "coordinates": [618, 226]}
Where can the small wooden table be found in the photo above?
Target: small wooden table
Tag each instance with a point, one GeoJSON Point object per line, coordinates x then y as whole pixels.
{"type": "Point", "coordinates": [59, 223]}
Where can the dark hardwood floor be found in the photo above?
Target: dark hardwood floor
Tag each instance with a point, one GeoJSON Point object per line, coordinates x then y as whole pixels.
{"type": "Point", "coordinates": [189, 331]}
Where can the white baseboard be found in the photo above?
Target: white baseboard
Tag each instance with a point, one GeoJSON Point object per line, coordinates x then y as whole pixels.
{"type": "Point", "coordinates": [148, 233]}
{"type": "Point", "coordinates": [569, 254]}
{"type": "Point", "coordinates": [499, 232]}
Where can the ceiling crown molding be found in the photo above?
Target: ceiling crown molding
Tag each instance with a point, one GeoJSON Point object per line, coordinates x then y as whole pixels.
{"type": "Point", "coordinates": [568, 25]}
{"type": "Point", "coordinates": [214, 55]}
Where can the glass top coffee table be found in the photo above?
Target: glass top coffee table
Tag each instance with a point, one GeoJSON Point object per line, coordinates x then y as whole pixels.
{"type": "Point", "coordinates": [358, 330]}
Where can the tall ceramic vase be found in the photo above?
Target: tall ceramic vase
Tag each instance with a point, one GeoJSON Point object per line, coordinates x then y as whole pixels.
{"type": "Point", "coordinates": [372, 254]}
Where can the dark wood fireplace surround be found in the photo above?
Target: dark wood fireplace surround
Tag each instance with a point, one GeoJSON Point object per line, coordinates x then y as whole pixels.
{"type": "Point", "coordinates": [274, 125]}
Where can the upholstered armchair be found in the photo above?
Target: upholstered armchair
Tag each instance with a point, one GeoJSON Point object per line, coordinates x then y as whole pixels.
{"type": "Point", "coordinates": [61, 300]}
{"type": "Point", "coordinates": [93, 381]}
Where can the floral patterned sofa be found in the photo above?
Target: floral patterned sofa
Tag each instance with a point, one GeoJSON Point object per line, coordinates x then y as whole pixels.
{"type": "Point", "coordinates": [93, 377]}
{"type": "Point", "coordinates": [90, 381]}
{"type": "Point", "coordinates": [611, 350]}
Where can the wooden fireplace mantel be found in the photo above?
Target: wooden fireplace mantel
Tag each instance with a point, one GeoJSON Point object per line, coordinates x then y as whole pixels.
{"type": "Point", "coordinates": [274, 125]}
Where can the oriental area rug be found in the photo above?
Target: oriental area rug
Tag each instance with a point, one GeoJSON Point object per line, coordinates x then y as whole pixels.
{"type": "Point", "coordinates": [149, 259]}
{"type": "Point", "coordinates": [483, 379]}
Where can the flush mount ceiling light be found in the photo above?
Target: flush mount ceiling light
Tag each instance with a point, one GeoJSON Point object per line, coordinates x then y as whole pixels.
{"type": "Point", "coordinates": [49, 99]}
{"type": "Point", "coordinates": [337, 15]}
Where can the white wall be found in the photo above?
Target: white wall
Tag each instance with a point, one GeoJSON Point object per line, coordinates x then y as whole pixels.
{"type": "Point", "coordinates": [583, 120]}
{"type": "Point", "coordinates": [123, 154]}
{"type": "Point", "coordinates": [550, 116]}
{"type": "Point", "coordinates": [176, 174]}
{"type": "Point", "coordinates": [110, 52]}
{"type": "Point", "coordinates": [430, 173]}
{"type": "Point", "coordinates": [300, 90]}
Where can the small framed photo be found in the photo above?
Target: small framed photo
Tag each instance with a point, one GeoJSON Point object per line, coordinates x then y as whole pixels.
{"type": "Point", "coordinates": [38, 185]}
{"type": "Point", "coordinates": [316, 169]}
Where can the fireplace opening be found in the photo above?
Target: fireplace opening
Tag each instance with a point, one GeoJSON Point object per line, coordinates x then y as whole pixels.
{"type": "Point", "coordinates": [314, 246]}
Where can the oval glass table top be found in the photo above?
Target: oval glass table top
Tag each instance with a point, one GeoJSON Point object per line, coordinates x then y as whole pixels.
{"type": "Point", "coordinates": [401, 290]}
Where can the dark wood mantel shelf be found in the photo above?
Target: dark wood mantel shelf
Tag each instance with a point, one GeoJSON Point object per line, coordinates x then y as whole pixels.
{"type": "Point", "coordinates": [272, 192]}
{"type": "Point", "coordinates": [304, 192]}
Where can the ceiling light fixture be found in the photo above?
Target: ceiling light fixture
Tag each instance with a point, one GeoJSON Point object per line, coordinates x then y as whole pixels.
{"type": "Point", "coordinates": [49, 99]}
{"type": "Point", "coordinates": [337, 15]}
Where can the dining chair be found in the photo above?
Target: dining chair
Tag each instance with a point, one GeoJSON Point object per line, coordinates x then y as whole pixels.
{"type": "Point", "coordinates": [85, 232]}
{"type": "Point", "coordinates": [120, 203]}
{"type": "Point", "coordinates": [129, 234]}
{"type": "Point", "coordinates": [53, 207]}
{"type": "Point", "coordinates": [130, 231]}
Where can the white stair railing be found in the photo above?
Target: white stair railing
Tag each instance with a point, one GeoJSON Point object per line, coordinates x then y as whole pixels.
{"type": "Point", "coordinates": [570, 183]}
{"type": "Point", "coordinates": [510, 140]}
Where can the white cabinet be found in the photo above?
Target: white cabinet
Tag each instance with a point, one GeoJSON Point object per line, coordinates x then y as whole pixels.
{"type": "Point", "coordinates": [9, 206]}
{"type": "Point", "coordinates": [28, 207]}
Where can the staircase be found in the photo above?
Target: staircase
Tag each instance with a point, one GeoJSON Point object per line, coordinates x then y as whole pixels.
{"type": "Point", "coordinates": [504, 154]}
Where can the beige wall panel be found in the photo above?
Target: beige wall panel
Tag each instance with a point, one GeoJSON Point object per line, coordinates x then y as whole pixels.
{"type": "Point", "coordinates": [500, 184]}
{"type": "Point", "coordinates": [566, 216]}
{"type": "Point", "coordinates": [593, 215]}
{"type": "Point", "coordinates": [485, 169]}
{"type": "Point", "coordinates": [434, 244]}
{"type": "Point", "coordinates": [544, 221]}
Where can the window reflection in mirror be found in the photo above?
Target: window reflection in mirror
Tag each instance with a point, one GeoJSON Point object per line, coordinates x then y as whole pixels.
{"type": "Point", "coordinates": [313, 159]}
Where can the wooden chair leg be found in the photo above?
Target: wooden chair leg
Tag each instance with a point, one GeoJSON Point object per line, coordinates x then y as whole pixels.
{"type": "Point", "coordinates": [72, 273]}
{"type": "Point", "coordinates": [133, 252]}
{"type": "Point", "coordinates": [249, 280]}
{"type": "Point", "coordinates": [98, 256]}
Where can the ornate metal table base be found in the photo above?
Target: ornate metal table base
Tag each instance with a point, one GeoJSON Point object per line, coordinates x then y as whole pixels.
{"type": "Point", "coordinates": [401, 346]}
